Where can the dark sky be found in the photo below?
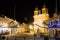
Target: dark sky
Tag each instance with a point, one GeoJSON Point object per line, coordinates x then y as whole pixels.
{"type": "Point", "coordinates": [25, 8]}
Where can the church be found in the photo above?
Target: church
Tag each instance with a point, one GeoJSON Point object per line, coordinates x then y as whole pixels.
{"type": "Point", "coordinates": [42, 21]}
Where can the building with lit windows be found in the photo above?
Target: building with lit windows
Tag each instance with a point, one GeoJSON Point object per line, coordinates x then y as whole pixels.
{"type": "Point", "coordinates": [8, 25]}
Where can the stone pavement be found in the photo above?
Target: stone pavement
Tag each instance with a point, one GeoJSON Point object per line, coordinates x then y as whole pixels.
{"type": "Point", "coordinates": [25, 38]}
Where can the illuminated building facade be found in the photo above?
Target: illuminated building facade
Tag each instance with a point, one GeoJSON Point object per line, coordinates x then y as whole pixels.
{"type": "Point", "coordinates": [40, 18]}
{"type": "Point", "coordinates": [8, 24]}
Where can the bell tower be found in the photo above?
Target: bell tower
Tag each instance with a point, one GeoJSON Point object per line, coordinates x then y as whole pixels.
{"type": "Point", "coordinates": [44, 10]}
{"type": "Point", "coordinates": [36, 11]}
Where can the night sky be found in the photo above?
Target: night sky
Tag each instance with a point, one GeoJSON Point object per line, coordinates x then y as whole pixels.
{"type": "Point", "coordinates": [24, 8]}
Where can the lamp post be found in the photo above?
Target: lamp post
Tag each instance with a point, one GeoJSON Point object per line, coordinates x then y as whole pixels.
{"type": "Point", "coordinates": [56, 12]}
{"type": "Point", "coordinates": [14, 9]}
{"type": "Point", "coordinates": [38, 34]}
{"type": "Point", "coordinates": [56, 6]}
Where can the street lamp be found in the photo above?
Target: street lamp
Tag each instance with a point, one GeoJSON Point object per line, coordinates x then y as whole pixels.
{"type": "Point", "coordinates": [30, 26]}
